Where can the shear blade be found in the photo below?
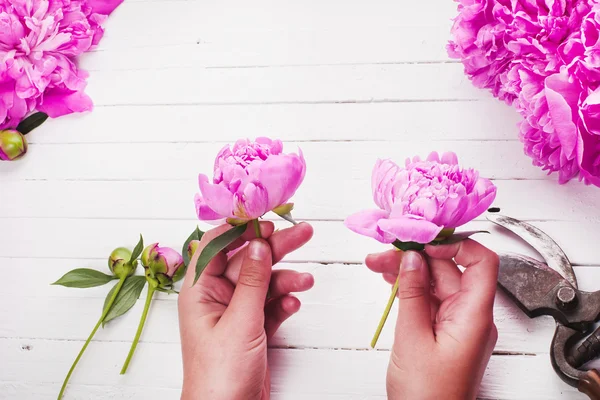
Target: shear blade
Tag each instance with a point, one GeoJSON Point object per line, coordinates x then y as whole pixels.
{"type": "Point", "coordinates": [529, 283]}
{"type": "Point", "coordinates": [555, 258]}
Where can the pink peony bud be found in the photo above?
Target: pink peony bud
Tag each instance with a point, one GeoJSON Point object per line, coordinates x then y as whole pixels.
{"type": "Point", "coordinates": [422, 200]}
{"type": "Point", "coordinates": [161, 263]}
{"type": "Point", "coordinates": [13, 145]}
{"type": "Point", "coordinates": [250, 179]}
{"type": "Point", "coordinates": [118, 262]}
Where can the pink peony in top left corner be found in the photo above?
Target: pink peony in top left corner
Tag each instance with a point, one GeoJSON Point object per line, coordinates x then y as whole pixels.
{"type": "Point", "coordinates": [39, 42]}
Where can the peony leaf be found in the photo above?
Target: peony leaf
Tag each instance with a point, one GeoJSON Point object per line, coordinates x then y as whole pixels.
{"type": "Point", "coordinates": [406, 246]}
{"type": "Point", "coordinates": [215, 246]}
{"type": "Point", "coordinates": [32, 122]}
{"type": "Point", "coordinates": [128, 295]}
{"type": "Point", "coordinates": [84, 278]}
{"type": "Point", "coordinates": [196, 235]}
{"type": "Point", "coordinates": [139, 247]}
{"type": "Point", "coordinates": [457, 237]}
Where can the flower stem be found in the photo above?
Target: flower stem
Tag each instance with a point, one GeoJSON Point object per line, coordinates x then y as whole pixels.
{"type": "Point", "coordinates": [256, 228]}
{"type": "Point", "coordinates": [151, 290]}
{"type": "Point", "coordinates": [87, 342]}
{"type": "Point", "coordinates": [386, 312]}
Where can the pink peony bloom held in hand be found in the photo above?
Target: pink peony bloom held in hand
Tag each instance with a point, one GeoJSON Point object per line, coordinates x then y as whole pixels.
{"type": "Point", "coordinates": [250, 179]}
{"type": "Point", "coordinates": [419, 201]}
{"type": "Point", "coordinates": [39, 43]}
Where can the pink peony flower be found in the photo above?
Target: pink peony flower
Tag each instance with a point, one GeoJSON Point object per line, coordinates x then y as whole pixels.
{"type": "Point", "coordinates": [417, 202]}
{"type": "Point", "coordinates": [543, 58]}
{"type": "Point", "coordinates": [39, 41]}
{"type": "Point", "coordinates": [161, 260]}
{"type": "Point", "coordinates": [250, 179]}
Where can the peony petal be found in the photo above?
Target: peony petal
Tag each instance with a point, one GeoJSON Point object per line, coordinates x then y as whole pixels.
{"type": "Point", "coordinates": [217, 197]}
{"type": "Point", "coordinates": [280, 175]}
{"type": "Point", "coordinates": [366, 223]}
{"type": "Point", "coordinates": [480, 200]}
{"type": "Point", "coordinates": [409, 228]}
{"type": "Point", "coordinates": [449, 158]}
{"type": "Point", "coordinates": [205, 213]}
{"type": "Point", "coordinates": [57, 102]}
{"type": "Point", "coordinates": [105, 7]}
{"type": "Point", "coordinates": [252, 203]}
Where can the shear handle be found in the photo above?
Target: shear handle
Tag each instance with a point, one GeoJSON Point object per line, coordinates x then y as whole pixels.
{"type": "Point", "coordinates": [587, 382]}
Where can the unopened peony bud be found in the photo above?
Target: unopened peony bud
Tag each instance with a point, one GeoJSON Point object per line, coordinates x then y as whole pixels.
{"type": "Point", "coordinates": [118, 262]}
{"type": "Point", "coordinates": [161, 264]}
{"type": "Point", "coordinates": [192, 247]}
{"type": "Point", "coordinates": [13, 145]}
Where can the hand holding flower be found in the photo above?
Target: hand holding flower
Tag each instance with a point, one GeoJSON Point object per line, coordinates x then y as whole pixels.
{"type": "Point", "coordinates": [445, 331]}
{"type": "Point", "coordinates": [226, 319]}
{"type": "Point", "coordinates": [421, 203]}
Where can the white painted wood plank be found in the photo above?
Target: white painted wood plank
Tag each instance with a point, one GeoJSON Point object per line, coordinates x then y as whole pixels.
{"type": "Point", "coordinates": [85, 199]}
{"type": "Point", "coordinates": [297, 372]}
{"type": "Point", "coordinates": [329, 164]}
{"type": "Point", "coordinates": [250, 48]}
{"type": "Point", "coordinates": [341, 311]}
{"type": "Point", "coordinates": [170, 22]}
{"type": "Point", "coordinates": [322, 84]}
{"type": "Point", "coordinates": [462, 120]}
{"type": "Point", "coordinates": [332, 242]}
{"type": "Point", "coordinates": [42, 390]}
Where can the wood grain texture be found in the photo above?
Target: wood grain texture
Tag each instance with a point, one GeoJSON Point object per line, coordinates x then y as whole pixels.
{"type": "Point", "coordinates": [348, 81]}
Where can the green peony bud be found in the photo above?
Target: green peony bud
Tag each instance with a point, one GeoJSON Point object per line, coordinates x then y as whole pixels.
{"type": "Point", "coordinates": [192, 248]}
{"type": "Point", "coordinates": [118, 262]}
{"type": "Point", "coordinates": [13, 145]}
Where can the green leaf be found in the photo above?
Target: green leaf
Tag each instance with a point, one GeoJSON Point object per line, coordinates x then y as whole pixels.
{"type": "Point", "coordinates": [196, 235]}
{"type": "Point", "coordinates": [32, 122]}
{"type": "Point", "coordinates": [215, 246]}
{"type": "Point", "coordinates": [128, 295]}
{"type": "Point", "coordinates": [84, 278]}
{"type": "Point", "coordinates": [457, 237]}
{"type": "Point", "coordinates": [137, 250]}
{"type": "Point", "coordinates": [406, 246]}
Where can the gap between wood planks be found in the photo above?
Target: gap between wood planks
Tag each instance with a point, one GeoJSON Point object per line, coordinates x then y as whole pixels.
{"type": "Point", "coordinates": [28, 347]}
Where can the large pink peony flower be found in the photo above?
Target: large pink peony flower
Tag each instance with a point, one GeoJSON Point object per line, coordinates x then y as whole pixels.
{"type": "Point", "coordinates": [418, 201]}
{"type": "Point", "coordinates": [250, 179]}
{"type": "Point", "coordinates": [543, 57]}
{"type": "Point", "coordinates": [39, 41]}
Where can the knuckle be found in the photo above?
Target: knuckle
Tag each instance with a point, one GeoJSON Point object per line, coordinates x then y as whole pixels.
{"type": "Point", "coordinates": [251, 277]}
{"type": "Point", "coordinates": [412, 292]}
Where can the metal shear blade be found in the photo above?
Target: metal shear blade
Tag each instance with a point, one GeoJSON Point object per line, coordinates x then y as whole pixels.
{"type": "Point", "coordinates": [553, 255]}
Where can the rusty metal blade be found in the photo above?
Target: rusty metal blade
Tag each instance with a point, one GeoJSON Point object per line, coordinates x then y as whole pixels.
{"type": "Point", "coordinates": [553, 255]}
{"type": "Point", "coordinates": [529, 283]}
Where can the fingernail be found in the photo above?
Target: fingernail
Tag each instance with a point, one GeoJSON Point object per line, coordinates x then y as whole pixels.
{"type": "Point", "coordinates": [411, 261]}
{"type": "Point", "coordinates": [258, 250]}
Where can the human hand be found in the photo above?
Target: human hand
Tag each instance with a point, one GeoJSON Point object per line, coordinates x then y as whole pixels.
{"type": "Point", "coordinates": [445, 332]}
{"type": "Point", "coordinates": [225, 320]}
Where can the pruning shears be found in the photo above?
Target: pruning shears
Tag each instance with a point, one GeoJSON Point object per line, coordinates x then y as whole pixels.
{"type": "Point", "coordinates": [550, 288]}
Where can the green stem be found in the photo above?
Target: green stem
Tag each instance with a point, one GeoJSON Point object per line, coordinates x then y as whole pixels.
{"type": "Point", "coordinates": [256, 228]}
{"type": "Point", "coordinates": [87, 342]}
{"type": "Point", "coordinates": [151, 290]}
{"type": "Point", "coordinates": [386, 312]}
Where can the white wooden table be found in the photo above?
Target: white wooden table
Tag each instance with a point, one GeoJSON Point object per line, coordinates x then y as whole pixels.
{"type": "Point", "coordinates": [347, 81]}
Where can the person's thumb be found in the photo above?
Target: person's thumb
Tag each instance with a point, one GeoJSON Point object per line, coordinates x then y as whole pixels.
{"type": "Point", "coordinates": [414, 310]}
{"type": "Point", "coordinates": [250, 293]}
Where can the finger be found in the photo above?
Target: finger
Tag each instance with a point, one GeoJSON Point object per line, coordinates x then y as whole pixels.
{"type": "Point", "coordinates": [445, 277]}
{"type": "Point", "coordinates": [481, 273]}
{"type": "Point", "coordinates": [277, 311]}
{"type": "Point", "coordinates": [248, 299]}
{"type": "Point", "coordinates": [414, 308]}
{"type": "Point", "coordinates": [282, 243]}
{"type": "Point", "coordinates": [390, 278]}
{"type": "Point", "coordinates": [386, 262]}
{"type": "Point", "coordinates": [287, 240]}
{"type": "Point", "coordinates": [286, 281]}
